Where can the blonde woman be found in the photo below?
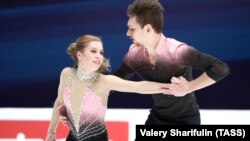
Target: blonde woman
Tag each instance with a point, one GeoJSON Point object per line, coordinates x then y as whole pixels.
{"type": "Point", "coordinates": [83, 91]}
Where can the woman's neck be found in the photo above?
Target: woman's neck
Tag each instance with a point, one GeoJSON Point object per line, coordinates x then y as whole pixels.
{"type": "Point", "coordinates": [86, 75]}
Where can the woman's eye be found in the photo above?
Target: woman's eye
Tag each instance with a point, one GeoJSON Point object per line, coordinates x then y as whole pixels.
{"type": "Point", "coordinates": [93, 51]}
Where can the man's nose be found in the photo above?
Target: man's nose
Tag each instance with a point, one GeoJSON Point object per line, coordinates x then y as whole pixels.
{"type": "Point", "coordinates": [128, 34]}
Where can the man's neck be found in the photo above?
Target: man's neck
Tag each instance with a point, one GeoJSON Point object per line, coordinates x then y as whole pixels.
{"type": "Point", "coordinates": [152, 43]}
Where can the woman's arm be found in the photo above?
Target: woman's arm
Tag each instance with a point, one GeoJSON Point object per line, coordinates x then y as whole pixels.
{"type": "Point", "coordinates": [51, 134]}
{"type": "Point", "coordinates": [143, 87]}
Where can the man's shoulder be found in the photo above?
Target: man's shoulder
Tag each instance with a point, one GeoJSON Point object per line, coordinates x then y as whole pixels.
{"type": "Point", "coordinates": [174, 42]}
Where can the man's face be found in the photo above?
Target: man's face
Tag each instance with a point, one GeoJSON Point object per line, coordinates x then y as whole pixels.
{"type": "Point", "coordinates": [135, 32]}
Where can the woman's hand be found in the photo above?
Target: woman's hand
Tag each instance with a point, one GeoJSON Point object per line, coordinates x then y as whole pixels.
{"type": "Point", "coordinates": [50, 137]}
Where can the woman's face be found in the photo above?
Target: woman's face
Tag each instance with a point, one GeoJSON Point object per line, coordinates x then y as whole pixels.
{"type": "Point", "coordinates": [91, 58]}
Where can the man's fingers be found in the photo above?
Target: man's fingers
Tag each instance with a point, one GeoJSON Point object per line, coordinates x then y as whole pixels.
{"type": "Point", "coordinates": [63, 120]}
{"type": "Point", "coordinates": [175, 80]}
{"type": "Point", "coordinates": [168, 91]}
{"type": "Point", "coordinates": [184, 80]}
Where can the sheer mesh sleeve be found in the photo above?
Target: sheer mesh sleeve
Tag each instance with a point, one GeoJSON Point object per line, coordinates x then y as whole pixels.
{"type": "Point", "coordinates": [215, 68]}
{"type": "Point", "coordinates": [125, 71]}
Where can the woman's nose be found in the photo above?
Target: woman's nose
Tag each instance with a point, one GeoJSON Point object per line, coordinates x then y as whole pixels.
{"type": "Point", "coordinates": [98, 55]}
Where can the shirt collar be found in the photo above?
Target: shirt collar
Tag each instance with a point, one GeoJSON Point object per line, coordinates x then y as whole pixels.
{"type": "Point", "coordinates": [160, 44]}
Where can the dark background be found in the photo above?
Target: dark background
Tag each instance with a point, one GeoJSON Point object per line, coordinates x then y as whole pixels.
{"type": "Point", "coordinates": [34, 36]}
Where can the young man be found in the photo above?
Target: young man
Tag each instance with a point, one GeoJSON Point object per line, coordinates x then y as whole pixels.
{"type": "Point", "coordinates": [155, 57]}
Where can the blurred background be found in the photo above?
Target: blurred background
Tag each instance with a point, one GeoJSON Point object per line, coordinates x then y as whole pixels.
{"type": "Point", "coordinates": [34, 36]}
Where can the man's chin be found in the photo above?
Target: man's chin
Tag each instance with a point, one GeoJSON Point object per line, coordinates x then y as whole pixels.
{"type": "Point", "coordinates": [135, 43]}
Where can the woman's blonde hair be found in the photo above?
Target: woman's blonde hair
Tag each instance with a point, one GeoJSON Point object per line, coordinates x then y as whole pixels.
{"type": "Point", "coordinates": [80, 44]}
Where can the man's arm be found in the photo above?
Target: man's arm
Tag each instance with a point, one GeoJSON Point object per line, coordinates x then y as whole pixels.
{"type": "Point", "coordinates": [124, 71]}
{"type": "Point", "coordinates": [213, 69]}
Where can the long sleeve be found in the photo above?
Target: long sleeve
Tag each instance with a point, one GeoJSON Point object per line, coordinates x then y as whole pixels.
{"type": "Point", "coordinates": [214, 68]}
{"type": "Point", "coordinates": [124, 71]}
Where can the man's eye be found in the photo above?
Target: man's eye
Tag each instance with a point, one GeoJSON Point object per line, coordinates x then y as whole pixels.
{"type": "Point", "coordinates": [131, 29]}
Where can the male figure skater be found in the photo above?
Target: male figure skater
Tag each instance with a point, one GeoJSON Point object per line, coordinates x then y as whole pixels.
{"type": "Point", "coordinates": [155, 57]}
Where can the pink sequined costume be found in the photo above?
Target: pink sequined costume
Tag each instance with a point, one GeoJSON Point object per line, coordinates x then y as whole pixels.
{"type": "Point", "coordinates": [90, 124]}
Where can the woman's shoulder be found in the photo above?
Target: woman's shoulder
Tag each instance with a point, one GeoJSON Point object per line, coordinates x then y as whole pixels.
{"type": "Point", "coordinates": [67, 71]}
{"type": "Point", "coordinates": [106, 81]}
{"type": "Point", "coordinates": [107, 76]}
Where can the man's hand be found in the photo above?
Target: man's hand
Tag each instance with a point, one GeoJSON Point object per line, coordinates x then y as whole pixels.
{"type": "Point", "coordinates": [181, 81]}
{"type": "Point", "coordinates": [50, 137]}
{"type": "Point", "coordinates": [63, 117]}
{"type": "Point", "coordinates": [178, 87]}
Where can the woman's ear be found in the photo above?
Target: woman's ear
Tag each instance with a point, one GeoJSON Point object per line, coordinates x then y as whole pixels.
{"type": "Point", "coordinates": [78, 54]}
